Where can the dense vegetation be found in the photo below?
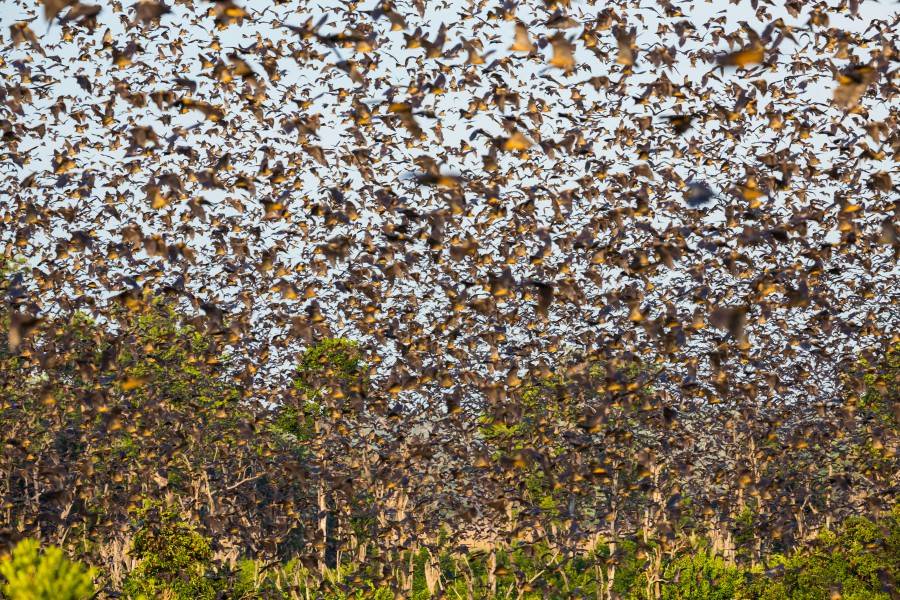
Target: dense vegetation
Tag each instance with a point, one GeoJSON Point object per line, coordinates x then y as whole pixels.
{"type": "Point", "coordinates": [128, 445]}
{"type": "Point", "coordinates": [859, 561]}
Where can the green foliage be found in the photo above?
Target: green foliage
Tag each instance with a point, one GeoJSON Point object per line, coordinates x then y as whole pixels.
{"type": "Point", "coordinates": [882, 388]}
{"type": "Point", "coordinates": [173, 369]}
{"type": "Point", "coordinates": [175, 561]}
{"type": "Point", "coordinates": [173, 359]}
{"type": "Point", "coordinates": [332, 361]}
{"type": "Point", "coordinates": [629, 570]}
{"type": "Point", "coordinates": [330, 365]}
{"type": "Point", "coordinates": [854, 561]}
{"type": "Point", "coordinates": [30, 574]}
{"type": "Point", "coordinates": [539, 411]}
{"type": "Point", "coordinates": [246, 581]}
{"type": "Point", "coordinates": [538, 404]}
{"type": "Point", "coordinates": [254, 581]}
{"type": "Point", "coordinates": [745, 534]}
{"type": "Point", "coordinates": [300, 422]}
{"type": "Point", "coordinates": [701, 575]}
{"type": "Point", "coordinates": [173, 557]}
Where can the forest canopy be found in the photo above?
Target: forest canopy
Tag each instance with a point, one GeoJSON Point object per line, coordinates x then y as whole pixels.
{"type": "Point", "coordinates": [141, 459]}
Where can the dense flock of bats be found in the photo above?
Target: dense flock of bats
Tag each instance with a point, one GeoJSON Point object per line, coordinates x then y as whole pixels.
{"type": "Point", "coordinates": [483, 193]}
{"type": "Point", "coordinates": [475, 190]}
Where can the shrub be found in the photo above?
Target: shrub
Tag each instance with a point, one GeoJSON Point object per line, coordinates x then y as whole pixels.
{"type": "Point", "coordinates": [175, 559]}
{"type": "Point", "coordinates": [701, 576]}
{"type": "Point", "coordinates": [30, 574]}
{"type": "Point", "coordinates": [860, 561]}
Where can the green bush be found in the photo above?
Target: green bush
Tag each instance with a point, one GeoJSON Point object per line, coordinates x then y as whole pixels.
{"type": "Point", "coordinates": [174, 559]}
{"type": "Point", "coordinates": [329, 362]}
{"type": "Point", "coordinates": [701, 576]}
{"type": "Point", "coordinates": [855, 561]}
{"type": "Point", "coordinates": [30, 574]}
{"type": "Point", "coordinates": [327, 365]}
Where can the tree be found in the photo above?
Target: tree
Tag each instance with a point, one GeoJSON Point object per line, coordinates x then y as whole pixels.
{"type": "Point", "coordinates": [96, 418]}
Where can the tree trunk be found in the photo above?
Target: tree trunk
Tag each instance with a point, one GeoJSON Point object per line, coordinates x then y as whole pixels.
{"type": "Point", "coordinates": [432, 573]}
{"type": "Point", "coordinates": [323, 527]}
{"type": "Point", "coordinates": [491, 575]}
